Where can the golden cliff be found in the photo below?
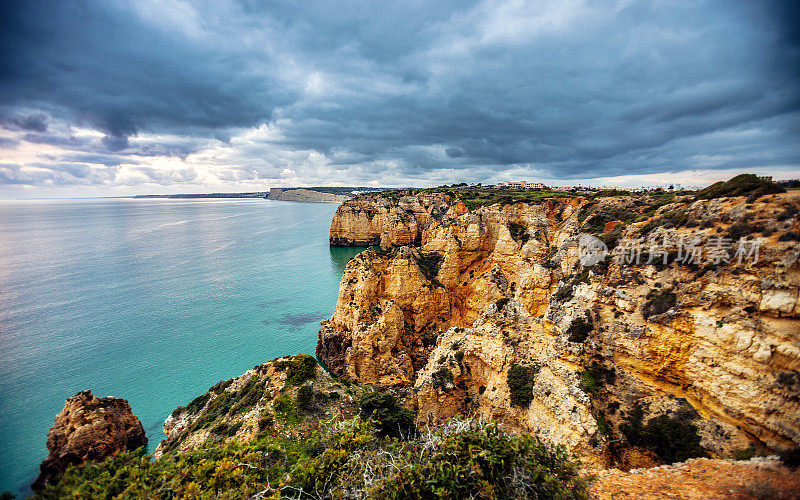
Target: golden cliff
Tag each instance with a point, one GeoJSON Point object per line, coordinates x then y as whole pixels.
{"type": "Point", "coordinates": [377, 219]}
{"type": "Point", "coordinates": [490, 312]}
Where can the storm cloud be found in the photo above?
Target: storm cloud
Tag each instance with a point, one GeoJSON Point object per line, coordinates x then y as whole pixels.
{"type": "Point", "coordinates": [231, 93]}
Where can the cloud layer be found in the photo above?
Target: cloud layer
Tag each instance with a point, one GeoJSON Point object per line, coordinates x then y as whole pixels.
{"type": "Point", "coordinates": [231, 95]}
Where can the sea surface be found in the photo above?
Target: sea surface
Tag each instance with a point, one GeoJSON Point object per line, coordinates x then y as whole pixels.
{"type": "Point", "coordinates": [151, 300]}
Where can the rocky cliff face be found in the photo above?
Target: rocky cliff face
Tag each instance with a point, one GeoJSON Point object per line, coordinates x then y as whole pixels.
{"type": "Point", "coordinates": [377, 219]}
{"type": "Point", "coordinates": [498, 297]}
{"type": "Point", "coordinates": [89, 428]}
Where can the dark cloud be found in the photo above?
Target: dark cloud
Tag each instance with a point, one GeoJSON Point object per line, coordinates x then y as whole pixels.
{"type": "Point", "coordinates": [418, 91]}
{"type": "Point", "coordinates": [36, 122]}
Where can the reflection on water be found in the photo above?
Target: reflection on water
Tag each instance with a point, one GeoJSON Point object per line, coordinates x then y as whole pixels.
{"type": "Point", "coordinates": [340, 256]}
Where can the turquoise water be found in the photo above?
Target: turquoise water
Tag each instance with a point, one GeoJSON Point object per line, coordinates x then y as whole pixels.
{"type": "Point", "coordinates": [149, 300]}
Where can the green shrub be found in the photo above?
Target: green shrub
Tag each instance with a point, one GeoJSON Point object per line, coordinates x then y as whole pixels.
{"type": "Point", "coordinates": [580, 328]}
{"type": "Point", "coordinates": [518, 232]}
{"type": "Point", "coordinates": [249, 395]}
{"type": "Point", "coordinates": [301, 368]}
{"type": "Point", "coordinates": [501, 303]}
{"type": "Point", "coordinates": [429, 264]}
{"type": "Point", "coordinates": [485, 462]}
{"type": "Point", "coordinates": [221, 386]}
{"type": "Point", "coordinates": [670, 438]}
{"type": "Point", "coordinates": [789, 236]}
{"type": "Point", "coordinates": [521, 379]}
{"type": "Point", "coordinates": [198, 403]}
{"type": "Point", "coordinates": [789, 212]}
{"type": "Point", "coordinates": [589, 382]}
{"type": "Point", "coordinates": [741, 185]}
{"type": "Point", "coordinates": [748, 453]}
{"type": "Point", "coordinates": [658, 302]}
{"type": "Point", "coordinates": [304, 396]}
{"type": "Point", "coordinates": [442, 378]}
{"type": "Point", "coordinates": [602, 424]}
{"type": "Point", "coordinates": [740, 230]}
{"type": "Point", "coordinates": [390, 418]}
{"type": "Point", "coordinates": [340, 459]}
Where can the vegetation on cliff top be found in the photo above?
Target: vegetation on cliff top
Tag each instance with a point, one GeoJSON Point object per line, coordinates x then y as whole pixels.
{"type": "Point", "coordinates": [742, 185]}
{"type": "Point", "coordinates": [341, 459]}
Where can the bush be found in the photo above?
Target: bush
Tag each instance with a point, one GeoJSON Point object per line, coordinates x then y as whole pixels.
{"type": "Point", "coordinates": [740, 230]}
{"type": "Point", "coordinates": [789, 212]}
{"type": "Point", "coordinates": [521, 379]}
{"type": "Point", "coordinates": [221, 386]}
{"type": "Point", "coordinates": [671, 439]}
{"type": "Point", "coordinates": [340, 459]}
{"type": "Point", "coordinates": [249, 395]}
{"type": "Point", "coordinates": [580, 328]}
{"type": "Point", "coordinates": [485, 462]}
{"type": "Point", "coordinates": [789, 236]}
{"type": "Point", "coordinates": [442, 378]}
{"type": "Point", "coordinates": [741, 185]}
{"type": "Point", "coordinates": [390, 418]}
{"type": "Point", "coordinates": [301, 368]}
{"type": "Point", "coordinates": [518, 232]}
{"type": "Point", "coordinates": [198, 403]}
{"type": "Point", "coordinates": [304, 396]}
{"type": "Point", "coordinates": [501, 303]}
{"type": "Point", "coordinates": [658, 302]}
{"type": "Point", "coordinates": [429, 264]}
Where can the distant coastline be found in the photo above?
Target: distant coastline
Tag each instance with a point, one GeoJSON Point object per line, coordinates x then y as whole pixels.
{"type": "Point", "coordinates": [317, 194]}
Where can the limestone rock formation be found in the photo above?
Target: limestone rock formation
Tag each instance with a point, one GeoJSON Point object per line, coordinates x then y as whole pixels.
{"type": "Point", "coordinates": [89, 428]}
{"type": "Point", "coordinates": [714, 343]}
{"type": "Point", "coordinates": [375, 219]}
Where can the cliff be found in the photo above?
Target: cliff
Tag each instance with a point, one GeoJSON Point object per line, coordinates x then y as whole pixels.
{"type": "Point", "coordinates": [386, 220]}
{"type": "Point", "coordinates": [490, 312]}
{"type": "Point", "coordinates": [305, 195]}
{"type": "Point", "coordinates": [89, 428]}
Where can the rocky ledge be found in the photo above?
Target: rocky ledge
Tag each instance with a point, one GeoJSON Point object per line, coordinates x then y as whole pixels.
{"type": "Point", "coordinates": [89, 428]}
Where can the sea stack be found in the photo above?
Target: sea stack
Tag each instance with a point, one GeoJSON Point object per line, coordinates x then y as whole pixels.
{"type": "Point", "coordinates": [89, 428]}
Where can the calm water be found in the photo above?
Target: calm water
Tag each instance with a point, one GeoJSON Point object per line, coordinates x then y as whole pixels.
{"type": "Point", "coordinates": [149, 300]}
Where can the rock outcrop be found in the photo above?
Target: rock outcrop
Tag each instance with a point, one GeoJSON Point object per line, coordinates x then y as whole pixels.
{"type": "Point", "coordinates": [305, 195]}
{"type": "Point", "coordinates": [264, 399]}
{"type": "Point", "coordinates": [89, 428]}
{"type": "Point", "coordinates": [377, 219]}
{"type": "Point", "coordinates": [714, 344]}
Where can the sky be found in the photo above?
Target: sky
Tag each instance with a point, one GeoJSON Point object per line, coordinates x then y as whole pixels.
{"type": "Point", "coordinates": [107, 98]}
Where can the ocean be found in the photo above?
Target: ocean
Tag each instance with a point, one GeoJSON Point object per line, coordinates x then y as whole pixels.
{"type": "Point", "coordinates": [150, 300]}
